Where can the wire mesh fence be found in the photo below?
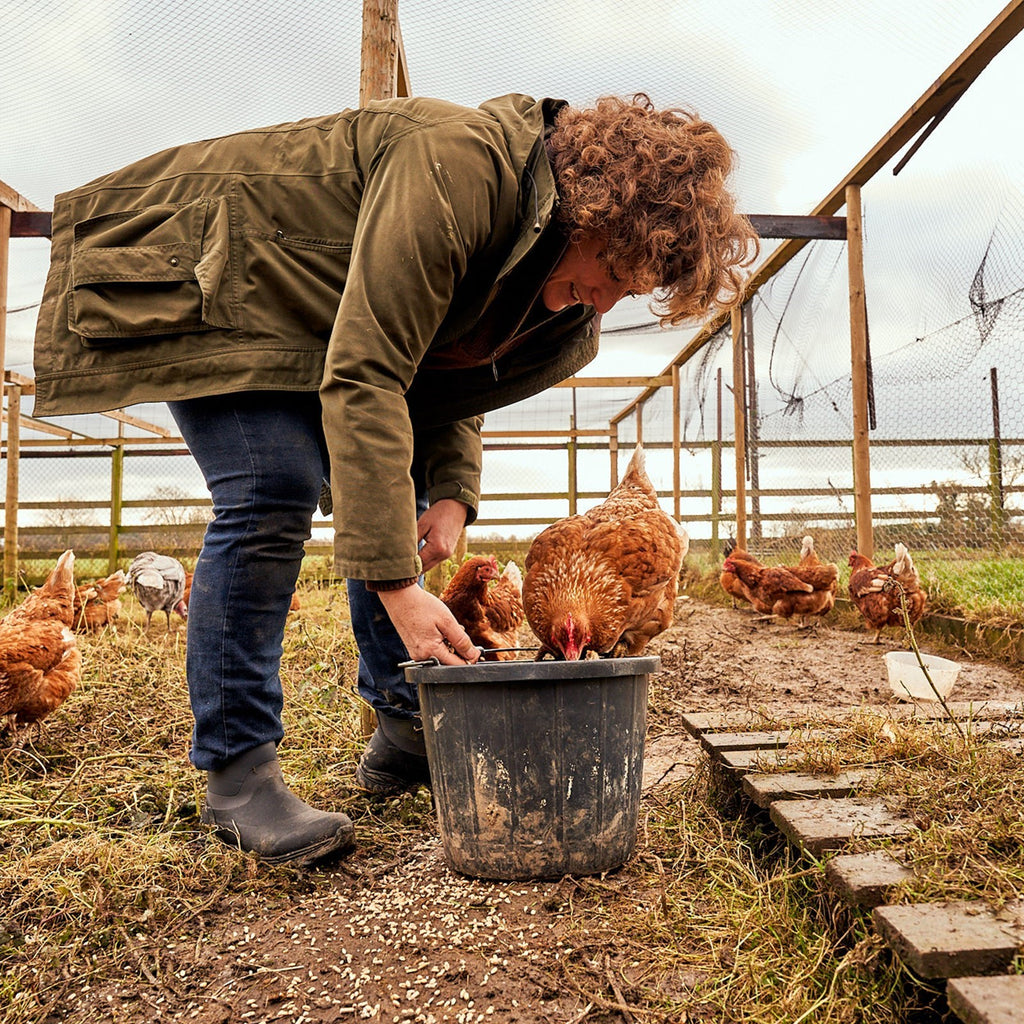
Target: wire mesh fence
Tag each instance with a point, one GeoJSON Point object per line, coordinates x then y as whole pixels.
{"type": "Point", "coordinates": [944, 271]}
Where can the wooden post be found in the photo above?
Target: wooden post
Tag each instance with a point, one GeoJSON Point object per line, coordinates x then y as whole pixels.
{"type": "Point", "coordinates": [677, 483]}
{"type": "Point", "coordinates": [572, 469]}
{"type": "Point", "coordinates": [378, 70]}
{"type": "Point", "coordinates": [116, 504]}
{"type": "Point", "coordinates": [5, 255]}
{"type": "Point", "coordinates": [383, 74]}
{"type": "Point", "coordinates": [716, 474]}
{"type": "Point", "coordinates": [11, 498]}
{"type": "Point", "coordinates": [613, 455]}
{"type": "Point", "coordinates": [13, 392]}
{"type": "Point", "coordinates": [753, 435]}
{"type": "Point", "coordinates": [859, 374]}
{"type": "Point", "coordinates": [739, 427]}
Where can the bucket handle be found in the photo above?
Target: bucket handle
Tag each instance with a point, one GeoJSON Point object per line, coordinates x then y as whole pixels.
{"type": "Point", "coordinates": [483, 650]}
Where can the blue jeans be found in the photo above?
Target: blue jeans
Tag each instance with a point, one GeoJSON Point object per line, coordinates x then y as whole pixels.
{"type": "Point", "coordinates": [264, 459]}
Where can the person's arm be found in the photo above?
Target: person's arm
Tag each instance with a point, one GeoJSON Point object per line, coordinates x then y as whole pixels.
{"type": "Point", "coordinates": [439, 529]}
{"type": "Point", "coordinates": [450, 459]}
{"type": "Point", "coordinates": [427, 628]}
{"type": "Point", "coordinates": [433, 201]}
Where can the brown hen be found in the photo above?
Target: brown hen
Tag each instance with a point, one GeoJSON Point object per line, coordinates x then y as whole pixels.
{"type": "Point", "coordinates": [876, 590]}
{"type": "Point", "coordinates": [730, 582]}
{"type": "Point", "coordinates": [604, 583]}
{"type": "Point", "coordinates": [40, 664]}
{"type": "Point", "coordinates": [488, 606]}
{"type": "Point", "coordinates": [823, 576]}
{"type": "Point", "coordinates": [98, 604]}
{"type": "Point", "coordinates": [773, 589]}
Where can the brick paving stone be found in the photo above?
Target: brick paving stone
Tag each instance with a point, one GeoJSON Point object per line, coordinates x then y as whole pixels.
{"type": "Point", "coordinates": [697, 723]}
{"type": "Point", "coordinates": [818, 826]}
{"type": "Point", "coordinates": [713, 742]}
{"type": "Point", "coordinates": [865, 879]}
{"type": "Point", "coordinates": [998, 999]}
{"type": "Point", "coordinates": [954, 939]}
{"type": "Point", "coordinates": [765, 788]}
{"type": "Point", "coordinates": [756, 760]}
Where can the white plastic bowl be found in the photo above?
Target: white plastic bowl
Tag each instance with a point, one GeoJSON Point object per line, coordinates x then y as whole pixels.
{"type": "Point", "coordinates": [909, 682]}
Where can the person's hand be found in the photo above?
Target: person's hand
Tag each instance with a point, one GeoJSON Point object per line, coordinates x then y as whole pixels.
{"type": "Point", "coordinates": [427, 627]}
{"type": "Point", "coordinates": [439, 528]}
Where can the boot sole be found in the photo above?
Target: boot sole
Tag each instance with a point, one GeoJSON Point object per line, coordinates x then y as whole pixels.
{"type": "Point", "coordinates": [383, 784]}
{"type": "Point", "coordinates": [301, 857]}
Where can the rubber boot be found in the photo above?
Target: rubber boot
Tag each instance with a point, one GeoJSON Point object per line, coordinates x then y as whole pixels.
{"type": "Point", "coordinates": [395, 759]}
{"type": "Point", "coordinates": [254, 810]}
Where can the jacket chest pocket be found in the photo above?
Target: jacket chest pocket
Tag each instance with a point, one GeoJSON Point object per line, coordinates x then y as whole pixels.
{"type": "Point", "coordinates": [164, 269]}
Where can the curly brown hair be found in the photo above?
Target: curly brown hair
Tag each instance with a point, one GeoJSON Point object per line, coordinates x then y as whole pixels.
{"type": "Point", "coordinates": [652, 185]}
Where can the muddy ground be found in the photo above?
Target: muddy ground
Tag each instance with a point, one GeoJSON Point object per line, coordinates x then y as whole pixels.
{"type": "Point", "coordinates": [411, 941]}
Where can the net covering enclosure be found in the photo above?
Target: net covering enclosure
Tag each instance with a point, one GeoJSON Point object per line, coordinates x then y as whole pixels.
{"type": "Point", "coordinates": [801, 90]}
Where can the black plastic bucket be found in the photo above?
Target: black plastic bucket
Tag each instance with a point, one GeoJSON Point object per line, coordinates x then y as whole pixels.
{"type": "Point", "coordinates": [536, 767]}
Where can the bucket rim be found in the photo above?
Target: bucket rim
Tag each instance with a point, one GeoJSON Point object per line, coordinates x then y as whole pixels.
{"type": "Point", "coordinates": [504, 672]}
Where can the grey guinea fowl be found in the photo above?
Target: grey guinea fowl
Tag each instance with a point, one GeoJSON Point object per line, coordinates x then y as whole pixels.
{"type": "Point", "coordinates": [158, 581]}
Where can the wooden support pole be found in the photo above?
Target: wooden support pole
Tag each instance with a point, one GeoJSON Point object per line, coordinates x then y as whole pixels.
{"type": "Point", "coordinates": [859, 374]}
{"type": "Point", "coordinates": [11, 497]}
{"type": "Point", "coordinates": [13, 393]}
{"type": "Point", "coordinates": [716, 471]}
{"type": "Point", "coordinates": [383, 74]}
{"type": "Point", "coordinates": [677, 482]}
{"type": "Point", "coordinates": [379, 67]}
{"type": "Point", "coordinates": [116, 505]}
{"type": "Point", "coordinates": [753, 434]}
{"type": "Point", "coordinates": [739, 427]}
{"type": "Point", "coordinates": [613, 454]}
{"type": "Point", "coordinates": [5, 255]}
{"type": "Point", "coordinates": [571, 452]}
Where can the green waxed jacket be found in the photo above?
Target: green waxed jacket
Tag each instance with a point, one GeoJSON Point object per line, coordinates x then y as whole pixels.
{"type": "Point", "coordinates": [389, 256]}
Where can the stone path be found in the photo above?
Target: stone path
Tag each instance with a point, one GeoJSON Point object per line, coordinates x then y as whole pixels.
{"type": "Point", "coordinates": [968, 943]}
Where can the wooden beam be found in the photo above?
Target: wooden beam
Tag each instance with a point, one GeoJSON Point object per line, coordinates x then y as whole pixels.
{"type": "Point", "coordinates": [13, 200]}
{"type": "Point", "coordinates": [780, 226]}
{"type": "Point", "coordinates": [677, 482]}
{"type": "Point", "coordinates": [663, 380]}
{"type": "Point", "coordinates": [27, 384]}
{"type": "Point", "coordinates": [123, 417]}
{"type": "Point", "coordinates": [31, 423]}
{"type": "Point", "coordinates": [945, 91]}
{"type": "Point", "coordinates": [31, 224]}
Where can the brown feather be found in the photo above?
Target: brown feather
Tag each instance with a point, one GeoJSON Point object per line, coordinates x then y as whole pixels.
{"type": "Point", "coordinates": [488, 606]}
{"type": "Point", "coordinates": [40, 664]}
{"type": "Point", "coordinates": [876, 590]}
{"type": "Point", "coordinates": [605, 582]}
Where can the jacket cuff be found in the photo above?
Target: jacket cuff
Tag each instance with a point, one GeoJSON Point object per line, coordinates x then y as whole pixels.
{"type": "Point", "coordinates": [453, 489]}
{"type": "Point", "coordinates": [376, 586]}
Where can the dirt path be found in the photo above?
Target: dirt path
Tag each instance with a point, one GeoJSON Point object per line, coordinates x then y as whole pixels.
{"type": "Point", "coordinates": [410, 941]}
